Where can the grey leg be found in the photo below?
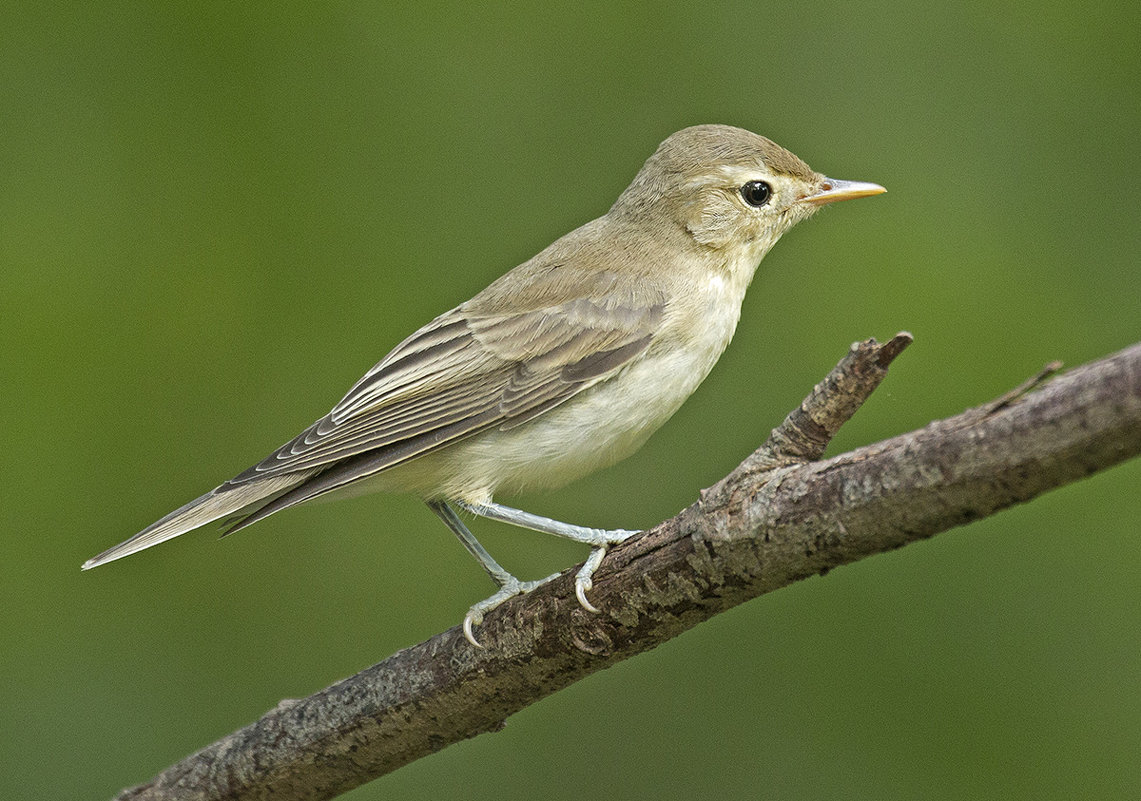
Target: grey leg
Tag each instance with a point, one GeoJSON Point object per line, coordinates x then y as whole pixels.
{"type": "Point", "coordinates": [517, 517]}
{"type": "Point", "coordinates": [599, 539]}
{"type": "Point", "coordinates": [509, 586]}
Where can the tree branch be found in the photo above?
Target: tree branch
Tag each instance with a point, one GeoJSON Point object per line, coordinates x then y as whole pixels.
{"type": "Point", "coordinates": [779, 517]}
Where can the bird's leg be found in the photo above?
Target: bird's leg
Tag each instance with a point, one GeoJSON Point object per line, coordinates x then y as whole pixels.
{"type": "Point", "coordinates": [509, 586]}
{"type": "Point", "coordinates": [599, 539]}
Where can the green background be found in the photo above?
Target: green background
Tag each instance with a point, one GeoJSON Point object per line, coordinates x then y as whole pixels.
{"type": "Point", "coordinates": [215, 217]}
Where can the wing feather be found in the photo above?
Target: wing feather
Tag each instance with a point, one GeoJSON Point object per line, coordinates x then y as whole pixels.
{"type": "Point", "coordinates": [462, 373]}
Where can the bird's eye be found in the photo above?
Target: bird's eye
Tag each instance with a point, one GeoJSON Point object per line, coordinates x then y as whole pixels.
{"type": "Point", "coordinates": [756, 193]}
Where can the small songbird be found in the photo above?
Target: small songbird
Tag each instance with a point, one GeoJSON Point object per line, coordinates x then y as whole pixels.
{"type": "Point", "coordinates": [564, 365]}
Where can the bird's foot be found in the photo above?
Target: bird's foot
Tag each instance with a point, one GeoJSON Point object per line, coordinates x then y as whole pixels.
{"type": "Point", "coordinates": [507, 590]}
{"type": "Point", "coordinates": [509, 586]}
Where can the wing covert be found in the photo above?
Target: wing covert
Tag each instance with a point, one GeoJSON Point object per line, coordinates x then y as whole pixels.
{"type": "Point", "coordinates": [466, 372]}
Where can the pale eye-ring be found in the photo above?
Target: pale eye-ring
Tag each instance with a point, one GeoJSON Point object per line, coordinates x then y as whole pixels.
{"type": "Point", "coordinates": [756, 193]}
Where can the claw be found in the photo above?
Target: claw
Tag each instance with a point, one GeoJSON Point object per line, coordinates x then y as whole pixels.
{"type": "Point", "coordinates": [472, 618]}
{"type": "Point", "coordinates": [584, 580]}
{"type": "Point", "coordinates": [580, 588]}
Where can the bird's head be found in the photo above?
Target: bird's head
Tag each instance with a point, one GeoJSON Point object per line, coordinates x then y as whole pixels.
{"type": "Point", "coordinates": [730, 190]}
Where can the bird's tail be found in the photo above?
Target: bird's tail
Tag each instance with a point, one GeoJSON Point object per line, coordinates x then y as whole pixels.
{"type": "Point", "coordinates": [220, 502]}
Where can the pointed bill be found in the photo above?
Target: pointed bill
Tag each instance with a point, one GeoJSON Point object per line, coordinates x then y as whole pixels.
{"type": "Point", "coordinates": [833, 189]}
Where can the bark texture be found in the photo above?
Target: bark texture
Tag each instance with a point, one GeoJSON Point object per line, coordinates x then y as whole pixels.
{"type": "Point", "coordinates": [779, 517]}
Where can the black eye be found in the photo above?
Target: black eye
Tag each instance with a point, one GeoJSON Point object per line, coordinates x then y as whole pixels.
{"type": "Point", "coordinates": [756, 193]}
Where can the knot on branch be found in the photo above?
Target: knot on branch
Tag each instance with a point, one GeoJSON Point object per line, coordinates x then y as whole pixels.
{"type": "Point", "coordinates": [806, 431]}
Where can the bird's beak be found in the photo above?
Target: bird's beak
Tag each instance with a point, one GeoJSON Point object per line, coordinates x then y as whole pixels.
{"type": "Point", "coordinates": [832, 190]}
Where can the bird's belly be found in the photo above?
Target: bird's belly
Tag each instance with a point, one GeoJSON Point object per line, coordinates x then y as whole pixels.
{"type": "Point", "coordinates": [593, 429]}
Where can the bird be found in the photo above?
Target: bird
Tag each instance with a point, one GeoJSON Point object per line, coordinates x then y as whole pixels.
{"type": "Point", "coordinates": [564, 365]}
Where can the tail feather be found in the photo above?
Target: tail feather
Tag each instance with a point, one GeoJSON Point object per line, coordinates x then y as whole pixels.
{"type": "Point", "coordinates": [314, 486]}
{"type": "Point", "coordinates": [218, 503]}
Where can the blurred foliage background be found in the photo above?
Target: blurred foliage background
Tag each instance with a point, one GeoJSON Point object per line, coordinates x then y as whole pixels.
{"type": "Point", "coordinates": [215, 216]}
